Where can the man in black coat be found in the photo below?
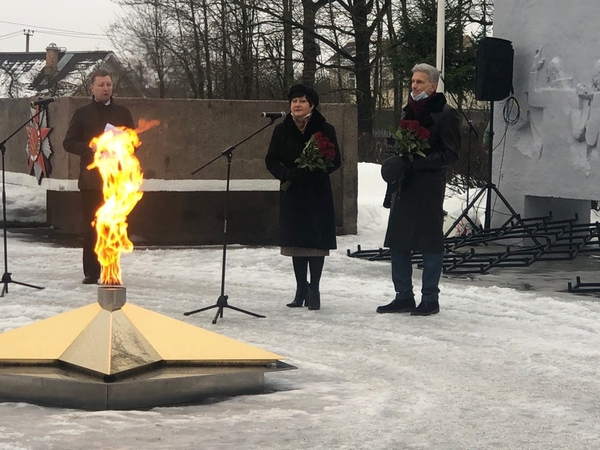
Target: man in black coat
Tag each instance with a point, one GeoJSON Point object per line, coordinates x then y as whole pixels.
{"type": "Point", "coordinates": [417, 215]}
{"type": "Point", "coordinates": [88, 122]}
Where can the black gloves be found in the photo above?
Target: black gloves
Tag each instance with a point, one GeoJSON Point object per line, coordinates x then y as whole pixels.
{"type": "Point", "coordinates": [298, 175]}
{"type": "Point", "coordinates": [387, 201]}
{"type": "Point", "coordinates": [393, 169]}
{"type": "Point", "coordinates": [314, 175]}
{"type": "Point", "coordinates": [391, 189]}
{"type": "Point", "coordinates": [294, 175]}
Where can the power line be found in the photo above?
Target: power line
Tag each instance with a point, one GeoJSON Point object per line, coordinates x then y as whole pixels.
{"type": "Point", "coordinates": [79, 33]}
{"type": "Point", "coordinates": [101, 36]}
{"type": "Point", "coordinates": [9, 35]}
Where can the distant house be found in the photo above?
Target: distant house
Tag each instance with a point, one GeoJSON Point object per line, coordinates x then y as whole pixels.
{"type": "Point", "coordinates": [339, 72]}
{"type": "Point", "coordinates": [58, 72]}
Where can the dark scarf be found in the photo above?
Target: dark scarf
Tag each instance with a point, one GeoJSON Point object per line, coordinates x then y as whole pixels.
{"type": "Point", "coordinates": [301, 122]}
{"type": "Point", "coordinates": [421, 110]}
{"type": "Point", "coordinates": [315, 123]}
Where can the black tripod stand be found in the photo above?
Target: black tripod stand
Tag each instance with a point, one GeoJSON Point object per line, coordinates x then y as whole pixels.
{"type": "Point", "coordinates": [222, 300]}
{"type": "Point", "coordinates": [6, 277]}
{"type": "Point", "coordinates": [488, 189]}
{"type": "Point", "coordinates": [472, 131]}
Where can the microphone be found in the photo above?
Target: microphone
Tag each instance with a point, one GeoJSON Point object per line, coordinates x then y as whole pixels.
{"type": "Point", "coordinates": [43, 101]}
{"type": "Point", "coordinates": [273, 115]}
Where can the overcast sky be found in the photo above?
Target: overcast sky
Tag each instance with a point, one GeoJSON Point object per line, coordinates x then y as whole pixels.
{"type": "Point", "coordinates": [75, 24]}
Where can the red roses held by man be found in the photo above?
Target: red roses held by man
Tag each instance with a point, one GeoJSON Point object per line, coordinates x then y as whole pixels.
{"type": "Point", "coordinates": [317, 154]}
{"type": "Point", "coordinates": [411, 139]}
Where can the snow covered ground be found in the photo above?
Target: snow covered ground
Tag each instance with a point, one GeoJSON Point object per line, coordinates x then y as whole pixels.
{"type": "Point", "coordinates": [496, 369]}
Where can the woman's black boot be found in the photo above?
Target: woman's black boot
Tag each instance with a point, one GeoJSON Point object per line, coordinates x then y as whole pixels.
{"type": "Point", "coordinates": [301, 297]}
{"type": "Point", "coordinates": [314, 299]}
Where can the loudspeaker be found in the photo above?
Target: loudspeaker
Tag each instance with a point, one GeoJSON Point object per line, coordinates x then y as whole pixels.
{"type": "Point", "coordinates": [493, 80]}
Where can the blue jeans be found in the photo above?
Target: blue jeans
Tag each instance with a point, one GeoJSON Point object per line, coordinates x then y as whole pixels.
{"type": "Point", "coordinates": [402, 275]}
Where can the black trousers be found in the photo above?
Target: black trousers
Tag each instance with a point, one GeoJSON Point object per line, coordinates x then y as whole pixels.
{"type": "Point", "coordinates": [91, 200]}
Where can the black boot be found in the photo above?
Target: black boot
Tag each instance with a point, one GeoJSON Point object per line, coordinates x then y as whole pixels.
{"type": "Point", "coordinates": [301, 297]}
{"type": "Point", "coordinates": [314, 299]}
{"type": "Point", "coordinates": [399, 305]}
{"type": "Point", "coordinates": [426, 309]}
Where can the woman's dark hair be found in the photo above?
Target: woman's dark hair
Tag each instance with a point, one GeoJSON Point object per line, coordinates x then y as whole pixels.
{"type": "Point", "coordinates": [301, 90]}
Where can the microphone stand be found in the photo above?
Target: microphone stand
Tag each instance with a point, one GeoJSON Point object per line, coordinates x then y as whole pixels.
{"type": "Point", "coordinates": [472, 130]}
{"type": "Point", "coordinates": [222, 300]}
{"type": "Point", "coordinates": [6, 277]}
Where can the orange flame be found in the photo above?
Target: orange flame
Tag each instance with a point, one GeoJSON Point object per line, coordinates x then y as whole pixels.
{"type": "Point", "coordinates": [122, 180]}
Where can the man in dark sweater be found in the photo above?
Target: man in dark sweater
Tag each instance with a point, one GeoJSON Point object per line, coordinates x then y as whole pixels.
{"type": "Point", "coordinates": [88, 122]}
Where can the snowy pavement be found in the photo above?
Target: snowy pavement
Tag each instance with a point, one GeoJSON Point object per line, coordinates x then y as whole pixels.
{"type": "Point", "coordinates": [496, 369]}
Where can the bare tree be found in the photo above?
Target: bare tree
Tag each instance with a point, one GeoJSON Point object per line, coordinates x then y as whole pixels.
{"type": "Point", "coordinates": [288, 42]}
{"type": "Point", "coordinates": [258, 48]}
{"type": "Point", "coordinates": [364, 24]}
{"type": "Point", "coordinates": [142, 37]}
{"type": "Point", "coordinates": [480, 13]}
{"type": "Point", "coordinates": [310, 48]}
{"type": "Point", "coordinates": [10, 79]}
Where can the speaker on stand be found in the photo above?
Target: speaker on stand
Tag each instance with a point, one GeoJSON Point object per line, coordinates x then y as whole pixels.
{"type": "Point", "coordinates": [493, 79]}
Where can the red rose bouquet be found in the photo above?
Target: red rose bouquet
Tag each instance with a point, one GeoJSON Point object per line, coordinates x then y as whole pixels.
{"type": "Point", "coordinates": [317, 154]}
{"type": "Point", "coordinates": [410, 139]}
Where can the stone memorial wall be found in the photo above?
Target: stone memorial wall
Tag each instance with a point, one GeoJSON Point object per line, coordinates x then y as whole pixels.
{"type": "Point", "coordinates": [179, 208]}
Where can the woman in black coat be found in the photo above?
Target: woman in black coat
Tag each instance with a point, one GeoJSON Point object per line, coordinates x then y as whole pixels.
{"type": "Point", "coordinates": [306, 213]}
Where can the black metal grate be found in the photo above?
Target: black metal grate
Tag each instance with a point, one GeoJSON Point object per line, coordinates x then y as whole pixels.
{"type": "Point", "coordinates": [527, 241]}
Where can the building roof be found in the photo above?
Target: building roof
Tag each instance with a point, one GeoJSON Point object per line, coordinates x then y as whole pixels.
{"type": "Point", "coordinates": [22, 74]}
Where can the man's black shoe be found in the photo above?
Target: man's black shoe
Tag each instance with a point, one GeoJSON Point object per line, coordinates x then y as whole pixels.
{"type": "Point", "coordinates": [403, 305]}
{"type": "Point", "coordinates": [426, 309]}
{"type": "Point", "coordinates": [89, 280]}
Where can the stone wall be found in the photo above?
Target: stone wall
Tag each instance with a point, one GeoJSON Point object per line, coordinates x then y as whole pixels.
{"type": "Point", "coordinates": [549, 159]}
{"type": "Point", "coordinates": [179, 208]}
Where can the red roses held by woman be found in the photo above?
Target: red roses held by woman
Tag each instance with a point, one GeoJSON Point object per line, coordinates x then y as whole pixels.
{"type": "Point", "coordinates": [317, 154]}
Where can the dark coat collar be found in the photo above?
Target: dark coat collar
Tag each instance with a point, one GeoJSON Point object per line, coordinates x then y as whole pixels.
{"type": "Point", "coordinates": [100, 104]}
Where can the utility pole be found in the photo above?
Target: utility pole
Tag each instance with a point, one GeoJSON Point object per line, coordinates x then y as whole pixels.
{"type": "Point", "coordinates": [441, 42]}
{"type": "Point", "coordinates": [27, 33]}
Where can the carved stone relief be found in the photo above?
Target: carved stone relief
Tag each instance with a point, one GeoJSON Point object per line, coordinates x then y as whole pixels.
{"type": "Point", "coordinates": [562, 114]}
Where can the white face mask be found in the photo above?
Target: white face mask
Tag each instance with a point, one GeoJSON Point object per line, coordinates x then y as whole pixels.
{"type": "Point", "coordinates": [421, 96]}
